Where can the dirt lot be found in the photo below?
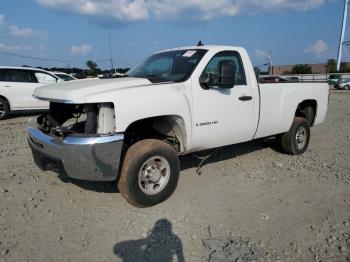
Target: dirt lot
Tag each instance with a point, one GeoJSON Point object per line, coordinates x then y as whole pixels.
{"type": "Point", "coordinates": [251, 203]}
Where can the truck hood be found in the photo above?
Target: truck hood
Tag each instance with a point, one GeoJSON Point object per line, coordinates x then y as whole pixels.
{"type": "Point", "coordinates": [79, 89]}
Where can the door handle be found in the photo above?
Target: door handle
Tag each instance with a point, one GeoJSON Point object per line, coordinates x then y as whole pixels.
{"type": "Point", "coordinates": [7, 86]}
{"type": "Point", "coordinates": [245, 98]}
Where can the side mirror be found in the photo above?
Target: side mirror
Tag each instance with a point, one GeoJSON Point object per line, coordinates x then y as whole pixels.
{"type": "Point", "coordinates": [205, 82]}
{"type": "Point", "coordinates": [227, 76]}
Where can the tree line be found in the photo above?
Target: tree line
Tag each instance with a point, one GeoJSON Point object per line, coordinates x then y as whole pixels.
{"type": "Point", "coordinates": [92, 71]}
{"type": "Point", "coordinates": [331, 67]}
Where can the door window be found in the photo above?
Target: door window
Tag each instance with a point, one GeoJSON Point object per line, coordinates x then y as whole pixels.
{"type": "Point", "coordinates": [44, 78]}
{"type": "Point", "coordinates": [15, 75]}
{"type": "Point", "coordinates": [231, 57]}
{"type": "Point", "coordinates": [4, 76]}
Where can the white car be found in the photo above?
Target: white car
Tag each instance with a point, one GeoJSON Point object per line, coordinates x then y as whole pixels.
{"type": "Point", "coordinates": [17, 85]}
{"type": "Point", "coordinates": [64, 76]}
{"type": "Point", "coordinates": [343, 85]}
{"type": "Point", "coordinates": [132, 129]}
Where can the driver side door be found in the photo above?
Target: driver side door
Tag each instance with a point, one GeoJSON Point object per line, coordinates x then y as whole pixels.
{"type": "Point", "coordinates": [223, 116]}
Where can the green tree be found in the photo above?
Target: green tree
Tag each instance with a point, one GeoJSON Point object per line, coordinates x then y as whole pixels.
{"type": "Point", "coordinates": [302, 69]}
{"type": "Point", "coordinates": [93, 68]}
{"type": "Point", "coordinates": [344, 67]}
{"type": "Point", "coordinates": [331, 66]}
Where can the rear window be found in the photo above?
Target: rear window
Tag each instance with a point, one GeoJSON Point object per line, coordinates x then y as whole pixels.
{"type": "Point", "coordinates": [44, 78]}
{"type": "Point", "coordinates": [65, 77]}
{"type": "Point", "coordinates": [15, 75]}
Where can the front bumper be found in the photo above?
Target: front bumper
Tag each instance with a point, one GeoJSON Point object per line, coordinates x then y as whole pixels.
{"type": "Point", "coordinates": [93, 158]}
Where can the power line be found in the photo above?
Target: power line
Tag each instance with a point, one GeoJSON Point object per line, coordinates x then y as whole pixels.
{"type": "Point", "coordinates": [36, 58]}
{"type": "Point", "coordinates": [62, 60]}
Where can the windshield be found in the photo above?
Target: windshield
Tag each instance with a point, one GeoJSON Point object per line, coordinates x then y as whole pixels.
{"type": "Point", "coordinates": [170, 66]}
{"type": "Point", "coordinates": [65, 77]}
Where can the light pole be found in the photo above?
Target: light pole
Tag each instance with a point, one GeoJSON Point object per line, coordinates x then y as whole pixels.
{"type": "Point", "coordinates": [342, 36]}
{"type": "Point", "coordinates": [110, 51]}
{"type": "Point", "coordinates": [270, 65]}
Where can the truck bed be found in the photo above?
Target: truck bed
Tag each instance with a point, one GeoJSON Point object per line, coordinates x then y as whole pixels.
{"type": "Point", "coordinates": [279, 101]}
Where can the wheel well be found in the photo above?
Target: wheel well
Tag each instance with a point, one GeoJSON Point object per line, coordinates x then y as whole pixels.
{"type": "Point", "coordinates": [168, 128]}
{"type": "Point", "coordinates": [307, 109]}
{"type": "Point", "coordinates": [4, 98]}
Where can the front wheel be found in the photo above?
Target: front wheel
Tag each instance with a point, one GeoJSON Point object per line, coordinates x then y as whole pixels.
{"type": "Point", "coordinates": [296, 140]}
{"type": "Point", "coordinates": [347, 87]}
{"type": "Point", "coordinates": [149, 174]}
{"type": "Point", "coordinates": [4, 109]}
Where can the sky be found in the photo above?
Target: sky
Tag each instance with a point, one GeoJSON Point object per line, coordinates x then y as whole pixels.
{"type": "Point", "coordinates": [74, 31]}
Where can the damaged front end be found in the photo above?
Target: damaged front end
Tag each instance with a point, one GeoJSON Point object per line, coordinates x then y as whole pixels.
{"type": "Point", "coordinates": [78, 140]}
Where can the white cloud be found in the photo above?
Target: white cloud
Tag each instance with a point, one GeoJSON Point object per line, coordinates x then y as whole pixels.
{"type": "Point", "coordinates": [120, 10]}
{"type": "Point", "coordinates": [196, 10]}
{"type": "Point", "coordinates": [318, 48]}
{"type": "Point", "coordinates": [17, 31]}
{"type": "Point", "coordinates": [25, 32]}
{"type": "Point", "coordinates": [81, 50]}
{"type": "Point", "coordinates": [192, 9]}
{"type": "Point", "coordinates": [261, 54]}
{"type": "Point", "coordinates": [14, 48]}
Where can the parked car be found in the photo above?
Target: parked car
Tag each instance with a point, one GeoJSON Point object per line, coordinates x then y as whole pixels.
{"type": "Point", "coordinates": [343, 85]}
{"type": "Point", "coordinates": [334, 79]}
{"type": "Point", "coordinates": [293, 79]}
{"type": "Point", "coordinates": [178, 101]}
{"type": "Point", "coordinates": [17, 85]}
{"type": "Point", "coordinates": [272, 79]}
{"type": "Point", "coordinates": [64, 76]}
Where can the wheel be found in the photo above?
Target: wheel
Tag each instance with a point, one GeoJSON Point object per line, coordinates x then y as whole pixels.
{"type": "Point", "coordinates": [4, 109]}
{"type": "Point", "coordinates": [149, 174]}
{"type": "Point", "coordinates": [296, 140]}
{"type": "Point", "coordinates": [347, 87]}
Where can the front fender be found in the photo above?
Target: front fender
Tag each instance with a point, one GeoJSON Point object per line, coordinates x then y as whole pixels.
{"type": "Point", "coordinates": [159, 100]}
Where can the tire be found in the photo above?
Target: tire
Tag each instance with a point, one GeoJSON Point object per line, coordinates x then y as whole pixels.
{"type": "Point", "coordinates": [4, 109]}
{"type": "Point", "coordinates": [290, 143]}
{"type": "Point", "coordinates": [346, 87]}
{"type": "Point", "coordinates": [149, 173]}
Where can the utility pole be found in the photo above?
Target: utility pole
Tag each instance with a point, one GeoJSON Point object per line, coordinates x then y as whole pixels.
{"type": "Point", "coordinates": [110, 51]}
{"type": "Point", "coordinates": [269, 62]}
{"type": "Point", "coordinates": [342, 36]}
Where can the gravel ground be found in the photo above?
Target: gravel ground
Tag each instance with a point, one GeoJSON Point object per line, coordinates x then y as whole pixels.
{"type": "Point", "coordinates": [251, 203]}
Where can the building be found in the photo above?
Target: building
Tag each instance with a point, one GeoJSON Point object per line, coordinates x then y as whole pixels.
{"type": "Point", "coordinates": [285, 69]}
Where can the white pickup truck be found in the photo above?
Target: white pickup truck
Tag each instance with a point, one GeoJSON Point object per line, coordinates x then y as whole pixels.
{"type": "Point", "coordinates": [132, 129]}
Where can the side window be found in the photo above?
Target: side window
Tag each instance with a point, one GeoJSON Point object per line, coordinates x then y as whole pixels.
{"type": "Point", "coordinates": [3, 77]}
{"type": "Point", "coordinates": [214, 66]}
{"type": "Point", "coordinates": [44, 78]}
{"type": "Point", "coordinates": [15, 75]}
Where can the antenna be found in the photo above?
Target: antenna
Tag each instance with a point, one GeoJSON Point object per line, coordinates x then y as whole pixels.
{"type": "Point", "coordinates": [342, 36]}
{"type": "Point", "coordinates": [200, 43]}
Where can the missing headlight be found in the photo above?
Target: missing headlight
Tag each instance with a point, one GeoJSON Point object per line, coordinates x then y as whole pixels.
{"type": "Point", "coordinates": [66, 119]}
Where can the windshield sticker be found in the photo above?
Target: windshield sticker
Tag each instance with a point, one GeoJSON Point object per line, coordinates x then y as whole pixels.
{"type": "Point", "coordinates": [189, 53]}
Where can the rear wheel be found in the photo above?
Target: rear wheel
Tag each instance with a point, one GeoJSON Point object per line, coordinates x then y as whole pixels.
{"type": "Point", "coordinates": [296, 140]}
{"type": "Point", "coordinates": [150, 173]}
{"type": "Point", "coordinates": [4, 109]}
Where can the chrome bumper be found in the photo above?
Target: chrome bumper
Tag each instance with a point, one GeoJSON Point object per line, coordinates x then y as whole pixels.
{"type": "Point", "coordinates": [82, 157]}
